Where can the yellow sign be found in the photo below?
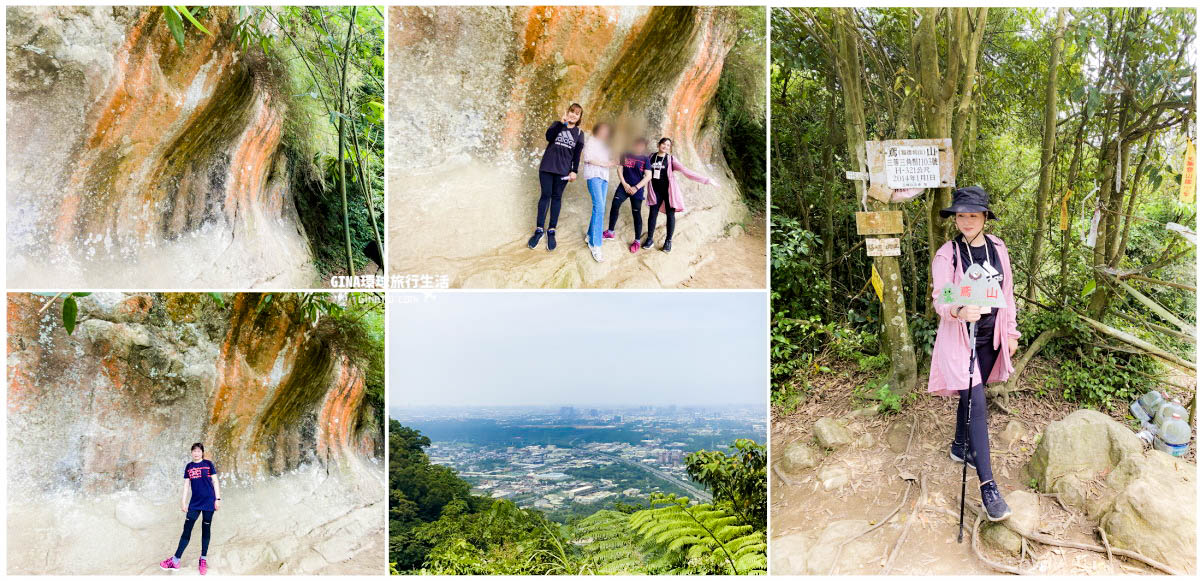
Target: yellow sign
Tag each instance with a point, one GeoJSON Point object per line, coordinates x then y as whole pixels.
{"type": "Point", "coordinates": [877, 282]}
{"type": "Point", "coordinates": [1064, 219]}
{"type": "Point", "coordinates": [1187, 187]}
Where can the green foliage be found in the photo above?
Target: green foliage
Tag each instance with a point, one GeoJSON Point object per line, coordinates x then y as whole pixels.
{"type": "Point", "coordinates": [741, 104]}
{"type": "Point", "coordinates": [699, 539]}
{"type": "Point", "coordinates": [438, 527]}
{"type": "Point", "coordinates": [738, 480]}
{"type": "Point", "coordinates": [174, 16]}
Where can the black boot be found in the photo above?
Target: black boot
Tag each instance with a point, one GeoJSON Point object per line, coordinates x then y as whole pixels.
{"type": "Point", "coordinates": [959, 450]}
{"type": "Point", "coordinates": [537, 237]}
{"type": "Point", "coordinates": [550, 243]}
{"type": "Point", "coordinates": [997, 509]}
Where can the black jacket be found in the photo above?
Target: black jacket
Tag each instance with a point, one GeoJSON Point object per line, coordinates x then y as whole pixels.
{"type": "Point", "coordinates": [564, 146]}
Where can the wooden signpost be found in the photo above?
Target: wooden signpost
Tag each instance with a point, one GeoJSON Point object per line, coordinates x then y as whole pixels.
{"type": "Point", "coordinates": [901, 168]}
{"type": "Point", "coordinates": [883, 247]}
{"type": "Point", "coordinates": [886, 222]}
{"type": "Point", "coordinates": [898, 171]}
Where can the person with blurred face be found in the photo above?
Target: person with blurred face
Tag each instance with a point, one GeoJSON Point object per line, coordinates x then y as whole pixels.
{"type": "Point", "coordinates": [634, 176]}
{"type": "Point", "coordinates": [597, 161]}
{"type": "Point", "coordinates": [995, 337]}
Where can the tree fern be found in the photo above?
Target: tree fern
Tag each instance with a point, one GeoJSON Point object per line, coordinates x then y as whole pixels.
{"type": "Point", "coordinates": [674, 538]}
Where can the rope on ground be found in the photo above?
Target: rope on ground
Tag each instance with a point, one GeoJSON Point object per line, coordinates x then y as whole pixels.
{"type": "Point", "coordinates": [907, 525]}
{"type": "Point", "coordinates": [838, 553]}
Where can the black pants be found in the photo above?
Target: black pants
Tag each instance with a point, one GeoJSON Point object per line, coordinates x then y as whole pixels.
{"type": "Point", "coordinates": [985, 359]}
{"type": "Point", "coordinates": [205, 532]}
{"type": "Point", "coordinates": [654, 210]}
{"type": "Point", "coordinates": [552, 191]}
{"type": "Point", "coordinates": [635, 207]}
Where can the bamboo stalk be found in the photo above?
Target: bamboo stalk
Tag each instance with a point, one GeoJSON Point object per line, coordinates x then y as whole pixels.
{"type": "Point", "coordinates": [1158, 309]}
{"type": "Point", "coordinates": [1140, 344]}
{"type": "Point", "coordinates": [342, 140]}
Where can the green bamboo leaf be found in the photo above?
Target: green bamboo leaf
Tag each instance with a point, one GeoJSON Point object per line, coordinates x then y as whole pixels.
{"type": "Point", "coordinates": [174, 24]}
{"type": "Point", "coordinates": [69, 312]}
{"type": "Point", "coordinates": [187, 14]}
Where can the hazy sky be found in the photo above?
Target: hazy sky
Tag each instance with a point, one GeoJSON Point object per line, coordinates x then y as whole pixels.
{"type": "Point", "coordinates": [578, 348]}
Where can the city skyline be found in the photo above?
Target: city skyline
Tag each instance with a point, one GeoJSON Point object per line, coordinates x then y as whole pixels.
{"type": "Point", "coordinates": [550, 349]}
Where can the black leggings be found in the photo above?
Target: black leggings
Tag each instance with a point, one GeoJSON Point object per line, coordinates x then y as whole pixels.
{"type": "Point", "coordinates": [654, 218]}
{"type": "Point", "coordinates": [205, 532]}
{"type": "Point", "coordinates": [985, 358]}
{"type": "Point", "coordinates": [635, 207]}
{"type": "Point", "coordinates": [552, 191]}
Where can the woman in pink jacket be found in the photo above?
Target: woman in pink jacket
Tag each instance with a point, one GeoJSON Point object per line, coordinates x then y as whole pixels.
{"type": "Point", "coordinates": [995, 337]}
{"type": "Point", "coordinates": [662, 183]}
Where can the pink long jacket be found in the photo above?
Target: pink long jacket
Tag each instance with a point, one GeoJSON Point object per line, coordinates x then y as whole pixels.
{"type": "Point", "coordinates": [951, 349]}
{"type": "Point", "coordinates": [676, 197]}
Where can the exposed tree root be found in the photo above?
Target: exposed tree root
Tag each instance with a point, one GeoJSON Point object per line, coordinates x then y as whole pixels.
{"type": "Point", "coordinates": [838, 553]}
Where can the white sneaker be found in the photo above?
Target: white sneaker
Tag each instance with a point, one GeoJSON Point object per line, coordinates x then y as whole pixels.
{"type": "Point", "coordinates": [596, 254]}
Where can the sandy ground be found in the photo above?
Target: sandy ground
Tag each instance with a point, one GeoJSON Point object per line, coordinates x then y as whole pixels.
{"type": "Point", "coordinates": [914, 444]}
{"type": "Point", "coordinates": [738, 262]}
{"type": "Point", "coordinates": [305, 522]}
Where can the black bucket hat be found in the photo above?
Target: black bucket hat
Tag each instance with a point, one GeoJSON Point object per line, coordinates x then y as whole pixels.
{"type": "Point", "coordinates": [969, 199]}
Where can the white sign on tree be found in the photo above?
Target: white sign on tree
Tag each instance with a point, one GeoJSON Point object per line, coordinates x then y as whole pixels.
{"type": "Point", "coordinates": [912, 166]}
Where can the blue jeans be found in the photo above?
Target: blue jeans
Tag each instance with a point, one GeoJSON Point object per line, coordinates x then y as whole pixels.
{"type": "Point", "coordinates": [598, 188]}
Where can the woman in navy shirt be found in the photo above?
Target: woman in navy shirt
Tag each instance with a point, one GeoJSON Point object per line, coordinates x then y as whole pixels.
{"type": "Point", "coordinates": [201, 476]}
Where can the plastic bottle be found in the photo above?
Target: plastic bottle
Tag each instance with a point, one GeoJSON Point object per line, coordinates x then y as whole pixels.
{"type": "Point", "coordinates": [1167, 410]}
{"type": "Point", "coordinates": [1174, 434]}
{"type": "Point", "coordinates": [1146, 406]}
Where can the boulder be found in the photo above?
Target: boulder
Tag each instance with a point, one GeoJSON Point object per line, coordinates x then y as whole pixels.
{"type": "Point", "coordinates": [1014, 432]}
{"type": "Point", "coordinates": [1076, 450]}
{"type": "Point", "coordinates": [1150, 508]}
{"type": "Point", "coordinates": [897, 436]}
{"type": "Point", "coordinates": [853, 557]}
{"type": "Point", "coordinates": [1026, 512]}
{"type": "Point", "coordinates": [1144, 499]}
{"type": "Point", "coordinates": [1000, 537]}
{"type": "Point", "coordinates": [834, 476]}
{"type": "Point", "coordinates": [798, 456]}
{"type": "Point", "coordinates": [789, 554]}
{"type": "Point", "coordinates": [831, 434]}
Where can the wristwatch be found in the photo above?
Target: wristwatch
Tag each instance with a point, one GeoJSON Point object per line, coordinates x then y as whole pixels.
{"type": "Point", "coordinates": [956, 311]}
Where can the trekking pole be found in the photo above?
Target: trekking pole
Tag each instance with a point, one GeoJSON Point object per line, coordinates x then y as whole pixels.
{"type": "Point", "coordinates": [962, 494]}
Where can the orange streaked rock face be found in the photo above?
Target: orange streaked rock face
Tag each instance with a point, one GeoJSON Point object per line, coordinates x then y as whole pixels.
{"type": "Point", "coordinates": [155, 147]}
{"type": "Point", "coordinates": [117, 404]}
{"type": "Point", "coordinates": [654, 70]}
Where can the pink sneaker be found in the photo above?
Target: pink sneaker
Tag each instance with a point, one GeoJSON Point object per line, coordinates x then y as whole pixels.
{"type": "Point", "coordinates": [607, 234]}
{"type": "Point", "coordinates": [636, 246]}
{"type": "Point", "coordinates": [203, 566]}
{"type": "Point", "coordinates": [169, 563]}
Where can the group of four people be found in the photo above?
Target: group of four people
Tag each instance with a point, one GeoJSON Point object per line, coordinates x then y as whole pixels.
{"type": "Point", "coordinates": [642, 178]}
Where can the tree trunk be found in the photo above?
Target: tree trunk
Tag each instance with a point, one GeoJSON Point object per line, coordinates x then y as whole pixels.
{"type": "Point", "coordinates": [1049, 135]}
{"type": "Point", "coordinates": [947, 98]}
{"type": "Point", "coordinates": [342, 143]}
{"type": "Point", "coordinates": [895, 317]}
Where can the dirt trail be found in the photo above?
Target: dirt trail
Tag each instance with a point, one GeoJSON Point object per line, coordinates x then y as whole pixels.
{"type": "Point", "coordinates": [802, 509]}
{"type": "Point", "coordinates": [305, 522]}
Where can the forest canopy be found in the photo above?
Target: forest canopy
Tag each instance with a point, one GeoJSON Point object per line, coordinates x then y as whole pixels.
{"type": "Point", "coordinates": [1075, 121]}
